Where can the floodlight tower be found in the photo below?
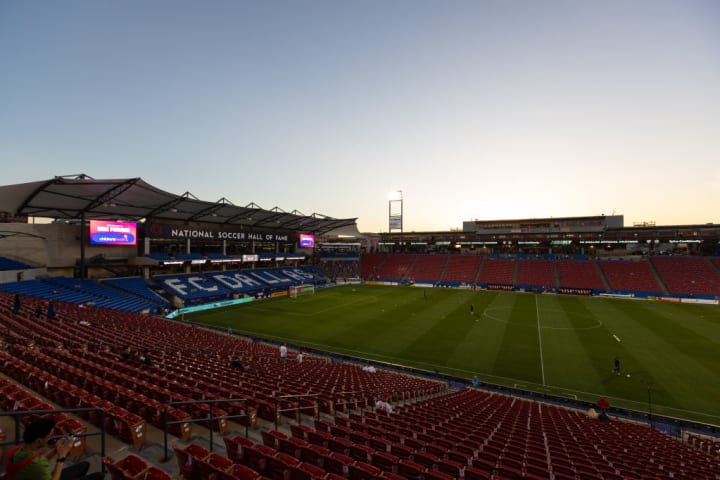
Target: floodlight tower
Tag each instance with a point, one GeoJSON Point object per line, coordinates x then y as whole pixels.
{"type": "Point", "coordinates": [395, 211]}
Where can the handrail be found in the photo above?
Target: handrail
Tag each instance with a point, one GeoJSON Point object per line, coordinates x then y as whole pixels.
{"type": "Point", "coordinates": [17, 415]}
{"type": "Point", "coordinates": [298, 409]}
{"type": "Point", "coordinates": [210, 418]}
{"type": "Point", "coordinates": [337, 402]}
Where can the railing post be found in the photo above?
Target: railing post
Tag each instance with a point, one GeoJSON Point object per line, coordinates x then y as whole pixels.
{"type": "Point", "coordinates": [247, 418]}
{"type": "Point", "coordinates": [17, 427]}
{"type": "Point", "coordinates": [102, 439]}
{"type": "Point", "coordinates": [298, 409]}
{"type": "Point", "coordinates": [165, 433]}
{"type": "Point", "coordinates": [210, 405]}
{"type": "Point", "coordinates": [275, 415]}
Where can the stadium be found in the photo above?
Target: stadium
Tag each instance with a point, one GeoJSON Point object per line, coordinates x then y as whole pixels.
{"type": "Point", "coordinates": [179, 338]}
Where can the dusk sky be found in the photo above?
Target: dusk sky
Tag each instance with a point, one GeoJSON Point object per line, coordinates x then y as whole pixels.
{"type": "Point", "coordinates": [473, 109]}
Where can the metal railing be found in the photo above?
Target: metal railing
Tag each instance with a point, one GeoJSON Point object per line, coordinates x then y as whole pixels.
{"type": "Point", "coordinates": [210, 418]}
{"type": "Point", "coordinates": [298, 409]}
{"type": "Point", "coordinates": [339, 400]}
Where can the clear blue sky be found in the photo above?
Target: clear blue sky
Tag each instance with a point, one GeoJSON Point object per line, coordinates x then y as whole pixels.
{"type": "Point", "coordinates": [474, 109]}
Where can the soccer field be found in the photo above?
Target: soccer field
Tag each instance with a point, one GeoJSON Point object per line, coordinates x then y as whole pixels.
{"type": "Point", "coordinates": [564, 345]}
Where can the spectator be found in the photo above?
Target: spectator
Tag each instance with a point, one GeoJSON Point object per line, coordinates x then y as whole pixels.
{"type": "Point", "coordinates": [382, 406]}
{"type": "Point", "coordinates": [283, 353]}
{"type": "Point", "coordinates": [127, 353]}
{"type": "Point", "coordinates": [300, 357]}
{"type": "Point", "coordinates": [239, 365]}
{"type": "Point", "coordinates": [475, 381]}
{"type": "Point", "coordinates": [16, 304]}
{"type": "Point", "coordinates": [145, 358]}
{"type": "Point", "coordinates": [27, 461]}
{"type": "Point", "coordinates": [38, 311]}
{"type": "Point", "coordinates": [51, 310]}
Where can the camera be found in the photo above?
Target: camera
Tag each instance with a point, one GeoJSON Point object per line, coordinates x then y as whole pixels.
{"type": "Point", "coordinates": [63, 439]}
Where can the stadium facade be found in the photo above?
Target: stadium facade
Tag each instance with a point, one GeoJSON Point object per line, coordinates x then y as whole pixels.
{"type": "Point", "coordinates": [220, 235]}
{"type": "Point", "coordinates": [593, 236]}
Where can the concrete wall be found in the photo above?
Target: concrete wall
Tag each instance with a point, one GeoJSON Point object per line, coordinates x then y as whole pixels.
{"type": "Point", "coordinates": [56, 246]}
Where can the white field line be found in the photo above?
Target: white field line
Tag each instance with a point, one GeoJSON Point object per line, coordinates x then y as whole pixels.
{"type": "Point", "coordinates": [542, 363]}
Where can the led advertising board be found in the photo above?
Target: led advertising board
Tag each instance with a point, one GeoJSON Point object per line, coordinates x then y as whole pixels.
{"type": "Point", "coordinates": [106, 232]}
{"type": "Point", "coordinates": [307, 240]}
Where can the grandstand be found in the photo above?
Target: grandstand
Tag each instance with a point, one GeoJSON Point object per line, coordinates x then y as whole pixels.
{"type": "Point", "coordinates": [232, 408]}
{"type": "Point", "coordinates": [10, 264]}
{"type": "Point", "coordinates": [497, 272]}
{"type": "Point", "coordinates": [672, 276]}
{"type": "Point", "coordinates": [370, 265]}
{"type": "Point", "coordinates": [462, 269]}
{"type": "Point", "coordinates": [687, 276]}
{"type": "Point", "coordinates": [580, 274]}
{"type": "Point", "coordinates": [534, 273]}
{"type": "Point", "coordinates": [395, 267]}
{"type": "Point", "coordinates": [631, 276]}
{"type": "Point", "coordinates": [427, 268]}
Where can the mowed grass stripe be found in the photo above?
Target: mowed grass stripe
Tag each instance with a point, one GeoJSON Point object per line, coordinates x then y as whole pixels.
{"type": "Point", "coordinates": [390, 326]}
{"type": "Point", "coordinates": [519, 352]}
{"type": "Point", "coordinates": [448, 322]}
{"type": "Point", "coordinates": [476, 354]}
{"type": "Point", "coordinates": [684, 360]}
{"type": "Point", "coordinates": [570, 332]}
{"type": "Point", "coordinates": [655, 362]}
{"type": "Point", "coordinates": [620, 319]}
{"type": "Point", "coordinates": [689, 333]}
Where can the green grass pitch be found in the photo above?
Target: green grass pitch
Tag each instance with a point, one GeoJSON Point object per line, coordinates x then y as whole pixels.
{"type": "Point", "coordinates": [562, 345]}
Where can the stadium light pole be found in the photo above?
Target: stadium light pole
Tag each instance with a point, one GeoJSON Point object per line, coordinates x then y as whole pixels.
{"type": "Point", "coordinates": [395, 216]}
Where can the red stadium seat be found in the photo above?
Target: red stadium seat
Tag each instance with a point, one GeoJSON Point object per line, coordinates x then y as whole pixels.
{"type": "Point", "coordinates": [410, 470]}
{"type": "Point", "coordinates": [129, 467]}
{"type": "Point", "coordinates": [385, 461]}
{"type": "Point", "coordinates": [307, 471]}
{"type": "Point", "coordinates": [212, 465]}
{"type": "Point", "coordinates": [239, 472]}
{"type": "Point", "coordinates": [338, 464]}
{"type": "Point", "coordinates": [363, 471]}
{"type": "Point", "coordinates": [315, 454]}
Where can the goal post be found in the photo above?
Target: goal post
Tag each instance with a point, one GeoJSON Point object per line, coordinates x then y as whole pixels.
{"type": "Point", "coordinates": [299, 290]}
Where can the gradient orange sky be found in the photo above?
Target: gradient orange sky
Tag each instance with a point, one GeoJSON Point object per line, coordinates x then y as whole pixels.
{"type": "Point", "coordinates": [474, 109]}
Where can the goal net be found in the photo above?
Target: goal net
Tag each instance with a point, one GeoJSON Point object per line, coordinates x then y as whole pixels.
{"type": "Point", "coordinates": [298, 290]}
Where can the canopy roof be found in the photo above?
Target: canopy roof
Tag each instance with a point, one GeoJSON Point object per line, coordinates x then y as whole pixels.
{"type": "Point", "coordinates": [80, 196]}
